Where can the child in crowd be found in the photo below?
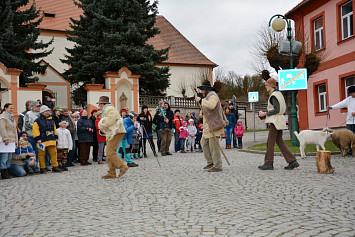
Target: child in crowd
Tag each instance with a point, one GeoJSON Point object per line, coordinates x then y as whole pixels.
{"type": "Point", "coordinates": [64, 145]}
{"type": "Point", "coordinates": [183, 135]}
{"type": "Point", "coordinates": [161, 109]}
{"type": "Point", "coordinates": [191, 129]}
{"type": "Point", "coordinates": [136, 140]}
{"type": "Point", "coordinates": [239, 133]}
{"type": "Point", "coordinates": [24, 160]}
{"type": "Point", "coordinates": [100, 139]}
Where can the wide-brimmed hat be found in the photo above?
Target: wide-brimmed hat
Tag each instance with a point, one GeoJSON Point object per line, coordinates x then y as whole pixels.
{"type": "Point", "coordinates": [104, 100]}
{"type": "Point", "coordinates": [206, 86]}
{"type": "Point", "coordinates": [44, 108]}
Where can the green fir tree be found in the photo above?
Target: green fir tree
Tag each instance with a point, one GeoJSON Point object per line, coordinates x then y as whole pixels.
{"type": "Point", "coordinates": [112, 34]}
{"type": "Point", "coordinates": [19, 45]}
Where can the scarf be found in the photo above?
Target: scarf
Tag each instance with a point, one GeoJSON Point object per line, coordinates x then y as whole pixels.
{"type": "Point", "coordinates": [11, 116]}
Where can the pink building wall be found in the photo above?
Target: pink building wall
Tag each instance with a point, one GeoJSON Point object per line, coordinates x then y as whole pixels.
{"type": "Point", "coordinates": [339, 60]}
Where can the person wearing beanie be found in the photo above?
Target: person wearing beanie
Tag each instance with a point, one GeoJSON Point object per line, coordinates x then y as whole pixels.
{"type": "Point", "coordinates": [146, 122]}
{"type": "Point", "coordinates": [45, 133]}
{"type": "Point", "coordinates": [73, 130]}
{"type": "Point", "coordinates": [111, 126]}
{"type": "Point", "coordinates": [192, 131]}
{"type": "Point", "coordinates": [165, 127]}
{"type": "Point", "coordinates": [276, 108]}
{"type": "Point", "coordinates": [64, 145]}
{"type": "Point", "coordinates": [28, 122]}
{"type": "Point", "coordinates": [239, 133]}
{"type": "Point", "coordinates": [23, 162]}
{"type": "Point", "coordinates": [49, 103]}
{"type": "Point", "coordinates": [94, 144]}
{"type": "Point", "coordinates": [85, 136]}
{"type": "Point", "coordinates": [56, 115]}
{"type": "Point", "coordinates": [124, 149]}
{"type": "Point", "coordinates": [349, 103]}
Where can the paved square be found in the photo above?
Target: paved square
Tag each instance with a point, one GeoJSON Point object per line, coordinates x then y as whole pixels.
{"type": "Point", "coordinates": [180, 199]}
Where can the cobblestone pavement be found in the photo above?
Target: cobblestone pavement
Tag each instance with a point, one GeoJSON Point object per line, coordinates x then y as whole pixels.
{"type": "Point", "coordinates": [180, 199]}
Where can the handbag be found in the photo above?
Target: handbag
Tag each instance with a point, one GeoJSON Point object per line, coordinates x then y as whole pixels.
{"type": "Point", "coordinates": [224, 134]}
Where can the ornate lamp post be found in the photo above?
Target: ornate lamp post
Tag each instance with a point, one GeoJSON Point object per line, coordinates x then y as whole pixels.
{"type": "Point", "coordinates": [278, 25]}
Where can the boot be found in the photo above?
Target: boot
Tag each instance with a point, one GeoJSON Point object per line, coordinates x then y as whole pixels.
{"type": "Point", "coordinates": [4, 174]}
{"type": "Point", "coordinates": [43, 170]}
{"type": "Point", "coordinates": [183, 150]}
{"type": "Point", "coordinates": [30, 170]}
{"type": "Point", "coordinates": [56, 169]}
{"type": "Point", "coordinates": [266, 167]}
{"type": "Point", "coordinates": [292, 165]}
{"type": "Point", "coordinates": [63, 167]}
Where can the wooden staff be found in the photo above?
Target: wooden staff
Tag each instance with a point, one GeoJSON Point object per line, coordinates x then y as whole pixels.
{"type": "Point", "coordinates": [209, 125]}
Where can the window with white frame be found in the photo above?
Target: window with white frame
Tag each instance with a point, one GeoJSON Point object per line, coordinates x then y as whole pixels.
{"type": "Point", "coordinates": [349, 81]}
{"type": "Point", "coordinates": [318, 34]}
{"type": "Point", "coordinates": [347, 24]}
{"type": "Point", "coordinates": [322, 97]}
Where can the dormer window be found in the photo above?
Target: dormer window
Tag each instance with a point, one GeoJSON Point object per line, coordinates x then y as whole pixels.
{"type": "Point", "coordinates": [49, 14]}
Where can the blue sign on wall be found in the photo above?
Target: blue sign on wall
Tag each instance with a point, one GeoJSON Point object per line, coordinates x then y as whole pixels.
{"type": "Point", "coordinates": [253, 96]}
{"type": "Point", "coordinates": [293, 79]}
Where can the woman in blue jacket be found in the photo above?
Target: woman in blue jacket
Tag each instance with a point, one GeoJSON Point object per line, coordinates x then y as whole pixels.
{"type": "Point", "coordinates": [229, 128]}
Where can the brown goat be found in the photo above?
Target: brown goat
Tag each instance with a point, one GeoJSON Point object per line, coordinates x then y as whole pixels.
{"type": "Point", "coordinates": [342, 138]}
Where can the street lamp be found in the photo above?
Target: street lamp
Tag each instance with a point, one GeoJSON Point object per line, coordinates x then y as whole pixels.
{"type": "Point", "coordinates": [278, 25]}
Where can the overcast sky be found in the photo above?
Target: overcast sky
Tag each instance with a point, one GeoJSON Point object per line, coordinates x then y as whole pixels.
{"type": "Point", "coordinates": [223, 30]}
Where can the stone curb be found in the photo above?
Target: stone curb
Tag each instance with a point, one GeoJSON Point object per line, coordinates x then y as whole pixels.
{"type": "Point", "coordinates": [280, 154]}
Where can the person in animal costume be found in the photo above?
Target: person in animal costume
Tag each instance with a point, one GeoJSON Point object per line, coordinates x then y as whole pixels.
{"type": "Point", "coordinates": [111, 126]}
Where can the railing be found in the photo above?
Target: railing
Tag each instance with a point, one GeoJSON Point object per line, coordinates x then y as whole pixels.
{"type": "Point", "coordinates": [152, 101]}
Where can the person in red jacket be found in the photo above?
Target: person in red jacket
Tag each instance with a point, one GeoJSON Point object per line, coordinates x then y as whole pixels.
{"type": "Point", "coordinates": [177, 123]}
{"type": "Point", "coordinates": [239, 133]}
{"type": "Point", "coordinates": [100, 139]}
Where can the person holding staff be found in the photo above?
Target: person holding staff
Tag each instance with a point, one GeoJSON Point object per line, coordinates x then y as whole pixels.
{"type": "Point", "coordinates": [213, 112]}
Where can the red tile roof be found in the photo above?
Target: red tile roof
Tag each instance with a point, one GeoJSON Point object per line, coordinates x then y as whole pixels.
{"type": "Point", "coordinates": [297, 7]}
{"type": "Point", "coordinates": [181, 50]}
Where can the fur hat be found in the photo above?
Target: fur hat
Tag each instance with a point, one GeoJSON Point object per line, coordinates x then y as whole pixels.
{"type": "Point", "coordinates": [44, 108]}
{"type": "Point", "coordinates": [132, 114]}
{"type": "Point", "coordinates": [271, 82]}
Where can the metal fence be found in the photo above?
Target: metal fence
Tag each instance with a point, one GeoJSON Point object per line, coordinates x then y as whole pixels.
{"type": "Point", "coordinates": [152, 101]}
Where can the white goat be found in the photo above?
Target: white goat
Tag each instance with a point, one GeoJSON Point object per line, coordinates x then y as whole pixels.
{"type": "Point", "coordinates": [313, 137]}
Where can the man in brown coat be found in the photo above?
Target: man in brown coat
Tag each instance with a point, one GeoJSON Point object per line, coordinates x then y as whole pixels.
{"type": "Point", "coordinates": [213, 112]}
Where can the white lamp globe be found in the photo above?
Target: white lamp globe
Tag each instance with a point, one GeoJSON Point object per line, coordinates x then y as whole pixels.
{"type": "Point", "coordinates": [278, 24]}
